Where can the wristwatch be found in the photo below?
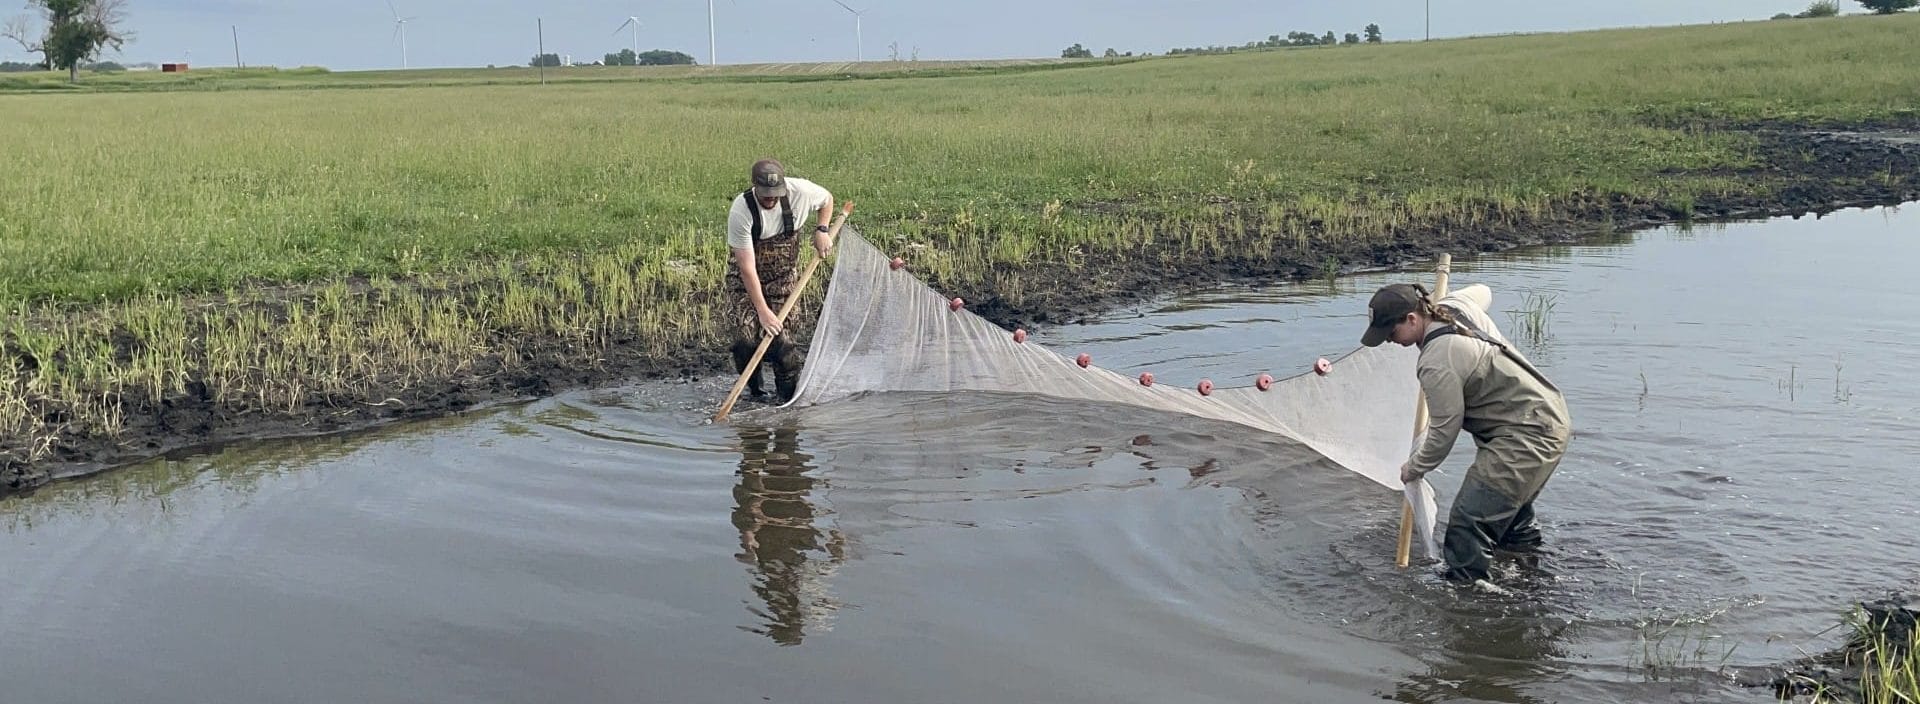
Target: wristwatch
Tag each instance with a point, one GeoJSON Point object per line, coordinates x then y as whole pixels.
{"type": "Point", "coordinates": [819, 228]}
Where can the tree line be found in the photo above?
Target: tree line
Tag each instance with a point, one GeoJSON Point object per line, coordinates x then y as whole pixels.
{"type": "Point", "coordinates": [625, 57]}
{"type": "Point", "coordinates": [1370, 35]}
{"type": "Point", "coordinates": [1831, 8]}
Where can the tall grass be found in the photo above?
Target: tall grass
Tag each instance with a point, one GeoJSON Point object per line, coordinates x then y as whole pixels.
{"type": "Point", "coordinates": [1878, 664]}
{"type": "Point", "coordinates": [1889, 663]}
{"type": "Point", "coordinates": [336, 346]}
{"type": "Point", "coordinates": [271, 249]}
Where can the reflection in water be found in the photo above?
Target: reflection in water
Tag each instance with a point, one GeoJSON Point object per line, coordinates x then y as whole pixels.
{"type": "Point", "coordinates": [1489, 654]}
{"type": "Point", "coordinates": [778, 535]}
{"type": "Point", "coordinates": [239, 468]}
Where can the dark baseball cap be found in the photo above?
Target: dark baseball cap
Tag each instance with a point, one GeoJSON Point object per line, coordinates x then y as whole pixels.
{"type": "Point", "coordinates": [1389, 306]}
{"type": "Point", "coordinates": [769, 179]}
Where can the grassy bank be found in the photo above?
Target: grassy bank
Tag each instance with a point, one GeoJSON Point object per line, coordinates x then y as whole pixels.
{"type": "Point", "coordinates": [184, 260]}
{"type": "Point", "coordinates": [1883, 652]}
{"type": "Point", "coordinates": [1878, 664]}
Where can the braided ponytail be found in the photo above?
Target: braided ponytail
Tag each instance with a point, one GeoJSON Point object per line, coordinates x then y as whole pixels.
{"type": "Point", "coordinates": [1433, 311]}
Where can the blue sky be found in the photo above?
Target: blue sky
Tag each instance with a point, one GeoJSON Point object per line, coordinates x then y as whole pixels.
{"type": "Point", "coordinates": [359, 34]}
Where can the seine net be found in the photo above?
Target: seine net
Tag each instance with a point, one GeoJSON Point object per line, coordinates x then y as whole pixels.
{"type": "Point", "coordinates": [881, 329]}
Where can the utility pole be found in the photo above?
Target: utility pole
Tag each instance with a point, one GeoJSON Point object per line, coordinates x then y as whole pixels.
{"type": "Point", "coordinates": [541, 58]}
{"type": "Point", "coordinates": [1429, 20]}
{"type": "Point", "coordinates": [236, 48]}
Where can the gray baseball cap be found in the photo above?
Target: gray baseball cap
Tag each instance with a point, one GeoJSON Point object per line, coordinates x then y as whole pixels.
{"type": "Point", "coordinates": [1389, 306]}
{"type": "Point", "coordinates": [769, 179]}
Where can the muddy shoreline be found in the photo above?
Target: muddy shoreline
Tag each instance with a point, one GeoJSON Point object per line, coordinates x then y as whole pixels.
{"type": "Point", "coordinates": [1882, 631]}
{"type": "Point", "coordinates": [1801, 171]}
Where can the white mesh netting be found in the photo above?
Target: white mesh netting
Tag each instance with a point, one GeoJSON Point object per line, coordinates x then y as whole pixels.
{"type": "Point", "coordinates": [882, 329]}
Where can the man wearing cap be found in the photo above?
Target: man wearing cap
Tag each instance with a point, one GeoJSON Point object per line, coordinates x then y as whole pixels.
{"type": "Point", "coordinates": [1475, 380]}
{"type": "Point", "coordinates": [761, 231]}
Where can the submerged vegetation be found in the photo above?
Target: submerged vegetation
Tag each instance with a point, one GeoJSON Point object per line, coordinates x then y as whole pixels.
{"type": "Point", "coordinates": [1534, 316]}
{"type": "Point", "coordinates": [178, 255]}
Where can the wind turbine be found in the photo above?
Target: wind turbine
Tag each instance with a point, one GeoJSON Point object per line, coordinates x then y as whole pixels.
{"type": "Point", "coordinates": [635, 21]}
{"type": "Point", "coordinates": [712, 58]}
{"type": "Point", "coordinates": [400, 30]}
{"type": "Point", "coordinates": [859, 47]}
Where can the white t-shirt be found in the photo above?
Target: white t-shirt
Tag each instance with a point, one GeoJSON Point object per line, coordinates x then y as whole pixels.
{"type": "Point", "coordinates": [807, 198]}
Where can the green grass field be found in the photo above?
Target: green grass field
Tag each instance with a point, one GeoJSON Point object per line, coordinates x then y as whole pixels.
{"type": "Point", "coordinates": [315, 78]}
{"type": "Point", "coordinates": [592, 208]}
{"type": "Point", "coordinates": [116, 194]}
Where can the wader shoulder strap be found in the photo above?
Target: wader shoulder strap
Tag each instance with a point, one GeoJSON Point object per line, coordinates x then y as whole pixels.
{"type": "Point", "coordinates": [753, 210]}
{"type": "Point", "coordinates": [1462, 326]}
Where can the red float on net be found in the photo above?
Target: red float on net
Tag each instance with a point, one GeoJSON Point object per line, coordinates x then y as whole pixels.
{"type": "Point", "coordinates": [1146, 378]}
{"type": "Point", "coordinates": [1206, 387]}
{"type": "Point", "coordinates": [1264, 382]}
{"type": "Point", "coordinates": [1084, 360]}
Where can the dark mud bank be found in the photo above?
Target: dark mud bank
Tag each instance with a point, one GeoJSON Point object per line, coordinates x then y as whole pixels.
{"type": "Point", "coordinates": [1797, 172]}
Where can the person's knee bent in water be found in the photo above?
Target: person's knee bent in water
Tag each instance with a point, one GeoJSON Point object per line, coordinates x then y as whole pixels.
{"type": "Point", "coordinates": [765, 248]}
{"type": "Point", "coordinates": [1475, 380]}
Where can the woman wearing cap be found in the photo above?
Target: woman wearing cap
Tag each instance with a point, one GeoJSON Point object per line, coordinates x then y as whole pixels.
{"type": "Point", "coordinates": [766, 246]}
{"type": "Point", "coordinates": [1475, 380]}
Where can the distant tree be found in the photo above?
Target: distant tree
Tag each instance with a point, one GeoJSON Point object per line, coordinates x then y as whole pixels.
{"type": "Point", "coordinates": [1329, 40]}
{"type": "Point", "coordinates": [1821, 8]}
{"type": "Point", "coordinates": [1111, 53]}
{"type": "Point", "coordinates": [1373, 34]}
{"type": "Point", "coordinates": [1076, 52]}
{"type": "Point", "coordinates": [662, 57]}
{"type": "Point", "coordinates": [1351, 38]}
{"type": "Point", "coordinates": [547, 60]}
{"type": "Point", "coordinates": [76, 31]}
{"type": "Point", "coordinates": [626, 57]}
{"type": "Point", "coordinates": [1887, 7]}
{"type": "Point", "coordinates": [1783, 16]}
{"type": "Point", "coordinates": [1298, 38]}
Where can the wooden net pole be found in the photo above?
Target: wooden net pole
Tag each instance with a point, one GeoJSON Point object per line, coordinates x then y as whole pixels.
{"type": "Point", "coordinates": [1404, 552]}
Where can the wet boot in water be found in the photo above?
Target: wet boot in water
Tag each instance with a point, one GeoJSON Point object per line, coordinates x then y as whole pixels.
{"type": "Point", "coordinates": [787, 360]}
{"type": "Point", "coordinates": [742, 353]}
{"type": "Point", "coordinates": [1484, 520]}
